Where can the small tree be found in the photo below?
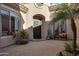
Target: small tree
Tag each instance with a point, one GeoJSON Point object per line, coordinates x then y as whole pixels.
{"type": "Point", "coordinates": [68, 11]}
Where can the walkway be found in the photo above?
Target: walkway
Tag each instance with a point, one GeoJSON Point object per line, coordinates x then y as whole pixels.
{"type": "Point", "coordinates": [39, 48]}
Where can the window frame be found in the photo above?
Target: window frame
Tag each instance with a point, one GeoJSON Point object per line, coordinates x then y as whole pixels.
{"type": "Point", "coordinates": [18, 14]}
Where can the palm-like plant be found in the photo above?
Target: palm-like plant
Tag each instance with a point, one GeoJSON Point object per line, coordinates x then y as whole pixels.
{"type": "Point", "coordinates": [68, 11]}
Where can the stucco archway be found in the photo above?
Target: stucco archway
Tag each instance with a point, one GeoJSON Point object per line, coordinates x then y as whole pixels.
{"type": "Point", "coordinates": [38, 28]}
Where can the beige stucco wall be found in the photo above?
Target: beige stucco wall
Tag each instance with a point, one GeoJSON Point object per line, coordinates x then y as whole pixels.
{"type": "Point", "coordinates": [77, 26]}
{"type": "Point", "coordinates": [68, 26]}
{"type": "Point", "coordinates": [28, 18]}
{"type": "Point", "coordinates": [69, 30]}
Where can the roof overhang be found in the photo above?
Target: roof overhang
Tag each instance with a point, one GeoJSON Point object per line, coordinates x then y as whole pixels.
{"type": "Point", "coordinates": [17, 6]}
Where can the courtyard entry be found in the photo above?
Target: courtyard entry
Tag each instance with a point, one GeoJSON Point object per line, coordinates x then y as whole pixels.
{"type": "Point", "coordinates": [37, 29]}
{"type": "Point", "coordinates": [37, 26]}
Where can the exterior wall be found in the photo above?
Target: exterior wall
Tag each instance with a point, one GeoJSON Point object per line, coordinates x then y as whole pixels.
{"type": "Point", "coordinates": [28, 18]}
{"type": "Point", "coordinates": [52, 14]}
{"type": "Point", "coordinates": [69, 30]}
{"type": "Point", "coordinates": [13, 12]}
{"type": "Point", "coordinates": [77, 26]}
{"type": "Point", "coordinates": [8, 40]}
{"type": "Point", "coordinates": [26, 21]}
{"type": "Point", "coordinates": [68, 26]}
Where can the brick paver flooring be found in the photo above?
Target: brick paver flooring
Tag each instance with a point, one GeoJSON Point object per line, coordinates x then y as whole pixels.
{"type": "Point", "coordinates": [35, 48]}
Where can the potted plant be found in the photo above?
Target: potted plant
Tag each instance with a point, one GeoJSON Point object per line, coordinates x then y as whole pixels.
{"type": "Point", "coordinates": [21, 37]}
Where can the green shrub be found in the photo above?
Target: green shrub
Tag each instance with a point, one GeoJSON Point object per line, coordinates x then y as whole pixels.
{"type": "Point", "coordinates": [64, 53]}
{"type": "Point", "coordinates": [68, 50]}
{"type": "Point", "coordinates": [21, 37]}
{"type": "Point", "coordinates": [68, 47]}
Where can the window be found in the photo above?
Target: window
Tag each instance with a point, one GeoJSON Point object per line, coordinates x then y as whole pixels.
{"type": "Point", "coordinates": [12, 24]}
{"type": "Point", "coordinates": [5, 24]}
{"type": "Point", "coordinates": [4, 21]}
{"type": "Point", "coordinates": [39, 5]}
{"type": "Point", "coordinates": [8, 22]}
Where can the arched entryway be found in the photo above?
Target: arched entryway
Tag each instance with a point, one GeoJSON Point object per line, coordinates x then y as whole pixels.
{"type": "Point", "coordinates": [38, 26]}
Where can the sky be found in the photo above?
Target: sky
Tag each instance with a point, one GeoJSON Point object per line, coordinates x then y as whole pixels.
{"type": "Point", "coordinates": [51, 4]}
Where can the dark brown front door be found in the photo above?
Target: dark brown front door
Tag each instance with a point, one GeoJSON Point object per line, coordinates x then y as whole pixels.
{"type": "Point", "coordinates": [37, 32]}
